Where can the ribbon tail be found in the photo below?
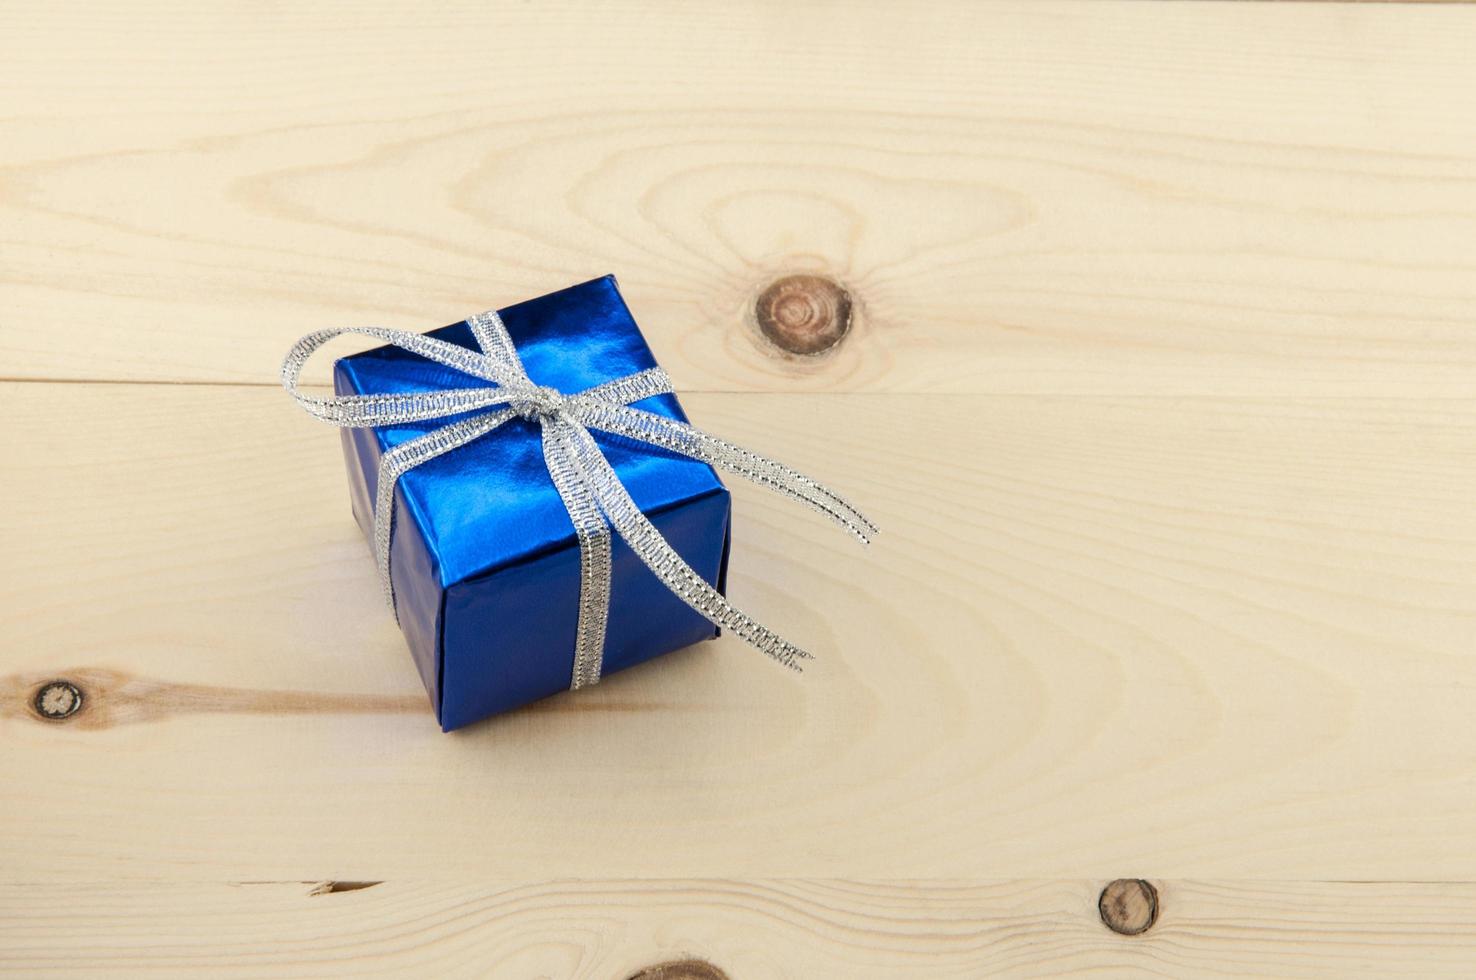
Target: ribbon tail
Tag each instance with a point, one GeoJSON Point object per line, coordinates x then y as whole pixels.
{"type": "Point", "coordinates": [594, 551]}
{"type": "Point", "coordinates": [668, 566]}
{"type": "Point", "coordinates": [691, 441]}
{"type": "Point", "coordinates": [406, 456]}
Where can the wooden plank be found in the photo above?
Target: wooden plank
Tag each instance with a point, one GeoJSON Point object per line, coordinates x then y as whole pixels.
{"type": "Point", "coordinates": [1045, 198]}
{"type": "Point", "coordinates": [750, 930]}
{"type": "Point", "coordinates": [1178, 637]}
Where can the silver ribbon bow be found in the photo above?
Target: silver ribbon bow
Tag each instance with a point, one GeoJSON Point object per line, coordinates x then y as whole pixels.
{"type": "Point", "coordinates": [591, 490]}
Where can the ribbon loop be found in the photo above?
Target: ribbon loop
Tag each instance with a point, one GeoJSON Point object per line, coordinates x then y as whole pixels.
{"type": "Point", "coordinates": [586, 482]}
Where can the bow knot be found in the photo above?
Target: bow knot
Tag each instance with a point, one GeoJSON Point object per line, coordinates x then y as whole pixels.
{"type": "Point", "coordinates": [589, 487]}
{"type": "Point", "coordinates": [541, 402]}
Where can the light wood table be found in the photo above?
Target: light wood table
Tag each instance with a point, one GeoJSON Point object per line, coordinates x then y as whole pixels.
{"type": "Point", "coordinates": [1159, 372]}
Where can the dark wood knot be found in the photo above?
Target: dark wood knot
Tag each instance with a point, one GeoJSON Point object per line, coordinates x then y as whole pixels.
{"type": "Point", "coordinates": [804, 314]}
{"type": "Point", "coordinates": [57, 700]}
{"type": "Point", "coordinates": [1128, 906]}
{"type": "Point", "coordinates": [680, 970]}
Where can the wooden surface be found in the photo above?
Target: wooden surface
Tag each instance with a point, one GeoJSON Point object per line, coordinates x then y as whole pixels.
{"type": "Point", "coordinates": [1158, 370]}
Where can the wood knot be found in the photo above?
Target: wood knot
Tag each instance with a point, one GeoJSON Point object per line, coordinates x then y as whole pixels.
{"type": "Point", "coordinates": [57, 700]}
{"type": "Point", "coordinates": [804, 314]}
{"type": "Point", "coordinates": [1128, 906]}
{"type": "Point", "coordinates": [680, 970]}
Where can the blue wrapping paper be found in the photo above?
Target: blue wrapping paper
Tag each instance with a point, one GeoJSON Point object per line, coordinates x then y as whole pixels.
{"type": "Point", "coordinates": [484, 559]}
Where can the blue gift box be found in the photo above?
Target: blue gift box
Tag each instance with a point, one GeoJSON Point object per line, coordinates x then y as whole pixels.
{"type": "Point", "coordinates": [484, 557]}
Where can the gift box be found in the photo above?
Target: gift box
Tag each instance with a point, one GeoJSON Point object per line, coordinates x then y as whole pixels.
{"type": "Point", "coordinates": [540, 509]}
{"type": "Point", "coordinates": [484, 558]}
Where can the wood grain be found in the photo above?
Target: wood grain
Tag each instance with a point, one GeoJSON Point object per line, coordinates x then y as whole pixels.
{"type": "Point", "coordinates": [750, 930]}
{"type": "Point", "coordinates": [1033, 198]}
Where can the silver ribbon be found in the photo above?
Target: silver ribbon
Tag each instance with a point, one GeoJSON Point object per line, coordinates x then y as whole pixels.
{"type": "Point", "coordinates": [590, 488]}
